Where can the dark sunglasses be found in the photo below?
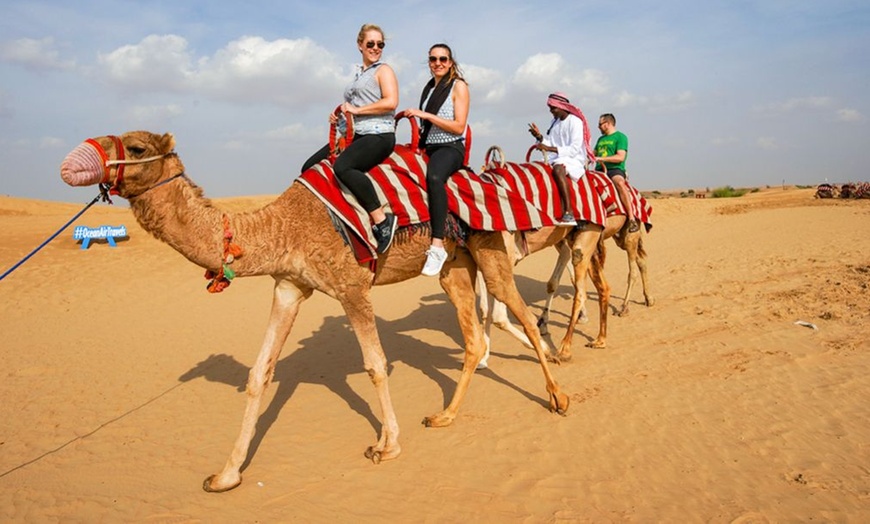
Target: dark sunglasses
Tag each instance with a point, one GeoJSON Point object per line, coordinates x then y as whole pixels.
{"type": "Point", "coordinates": [443, 59]}
{"type": "Point", "coordinates": [371, 43]}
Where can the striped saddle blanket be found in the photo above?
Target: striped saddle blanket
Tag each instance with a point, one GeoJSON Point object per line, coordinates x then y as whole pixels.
{"type": "Point", "coordinates": [400, 182]}
{"type": "Point", "coordinates": [520, 197]}
{"type": "Point", "coordinates": [593, 197]}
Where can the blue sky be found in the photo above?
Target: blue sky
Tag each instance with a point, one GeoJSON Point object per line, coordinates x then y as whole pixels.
{"type": "Point", "coordinates": [714, 93]}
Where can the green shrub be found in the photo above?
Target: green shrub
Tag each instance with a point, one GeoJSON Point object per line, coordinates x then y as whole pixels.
{"type": "Point", "coordinates": [728, 192]}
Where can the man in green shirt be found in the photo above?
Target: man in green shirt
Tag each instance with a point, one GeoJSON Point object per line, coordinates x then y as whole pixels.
{"type": "Point", "coordinates": [611, 151]}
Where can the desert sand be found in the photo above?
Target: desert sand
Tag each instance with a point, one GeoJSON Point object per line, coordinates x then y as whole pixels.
{"type": "Point", "coordinates": [123, 384]}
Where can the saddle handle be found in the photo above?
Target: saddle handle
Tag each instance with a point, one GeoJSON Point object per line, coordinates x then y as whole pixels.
{"type": "Point", "coordinates": [529, 154]}
{"type": "Point", "coordinates": [494, 158]}
{"type": "Point", "coordinates": [415, 129]}
{"type": "Point", "coordinates": [338, 144]}
{"type": "Point", "coordinates": [415, 135]}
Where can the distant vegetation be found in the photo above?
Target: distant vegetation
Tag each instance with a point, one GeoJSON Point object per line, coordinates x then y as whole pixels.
{"type": "Point", "coordinates": [729, 192]}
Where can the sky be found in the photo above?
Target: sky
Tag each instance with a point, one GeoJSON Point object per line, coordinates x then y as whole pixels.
{"type": "Point", "coordinates": [716, 93]}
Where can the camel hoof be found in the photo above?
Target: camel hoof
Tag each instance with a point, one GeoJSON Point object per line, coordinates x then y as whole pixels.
{"type": "Point", "coordinates": [650, 302]}
{"type": "Point", "coordinates": [551, 358]}
{"type": "Point", "coordinates": [373, 455]}
{"type": "Point", "coordinates": [597, 344]}
{"type": "Point", "coordinates": [565, 356]}
{"type": "Point", "coordinates": [559, 403]}
{"type": "Point", "coordinates": [438, 421]}
{"type": "Point", "coordinates": [622, 312]}
{"type": "Point", "coordinates": [206, 485]}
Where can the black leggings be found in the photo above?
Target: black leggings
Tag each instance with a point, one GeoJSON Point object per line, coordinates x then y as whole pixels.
{"type": "Point", "coordinates": [443, 162]}
{"type": "Point", "coordinates": [363, 153]}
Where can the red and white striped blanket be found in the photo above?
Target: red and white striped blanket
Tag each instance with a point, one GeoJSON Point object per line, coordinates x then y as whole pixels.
{"type": "Point", "coordinates": [400, 181]}
{"type": "Point", "coordinates": [518, 197]}
{"type": "Point", "coordinates": [593, 197]}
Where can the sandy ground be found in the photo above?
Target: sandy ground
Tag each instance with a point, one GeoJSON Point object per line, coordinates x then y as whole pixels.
{"type": "Point", "coordinates": [123, 384]}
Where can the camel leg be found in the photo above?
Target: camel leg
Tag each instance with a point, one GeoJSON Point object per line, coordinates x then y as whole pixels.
{"type": "Point", "coordinates": [630, 247]}
{"type": "Point", "coordinates": [496, 315]}
{"type": "Point", "coordinates": [498, 273]}
{"type": "Point", "coordinates": [286, 299]}
{"type": "Point", "coordinates": [585, 244]}
{"type": "Point", "coordinates": [359, 312]}
{"type": "Point", "coordinates": [483, 300]}
{"type": "Point", "coordinates": [564, 249]}
{"type": "Point", "coordinates": [596, 273]}
{"type": "Point", "coordinates": [641, 266]}
{"type": "Point", "coordinates": [457, 280]}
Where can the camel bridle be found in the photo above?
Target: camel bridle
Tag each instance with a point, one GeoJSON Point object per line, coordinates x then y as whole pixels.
{"type": "Point", "coordinates": [119, 163]}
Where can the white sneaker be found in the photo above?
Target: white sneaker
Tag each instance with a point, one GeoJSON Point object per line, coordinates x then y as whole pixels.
{"type": "Point", "coordinates": [435, 258]}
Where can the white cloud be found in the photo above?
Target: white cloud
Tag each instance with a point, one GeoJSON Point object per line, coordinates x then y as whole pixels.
{"type": "Point", "coordinates": [849, 115]}
{"type": "Point", "coordinates": [154, 116]}
{"type": "Point", "coordinates": [548, 72]}
{"type": "Point", "coordinates": [34, 54]}
{"type": "Point", "coordinates": [794, 104]}
{"type": "Point", "coordinates": [655, 103]}
{"type": "Point", "coordinates": [290, 73]}
{"type": "Point", "coordinates": [250, 70]}
{"type": "Point", "coordinates": [51, 142]}
{"type": "Point", "coordinates": [724, 141]}
{"type": "Point", "coordinates": [157, 63]}
{"type": "Point", "coordinates": [488, 85]}
{"type": "Point", "coordinates": [294, 132]}
{"type": "Point", "coordinates": [768, 143]}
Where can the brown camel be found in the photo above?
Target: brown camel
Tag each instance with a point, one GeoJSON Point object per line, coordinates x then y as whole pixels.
{"type": "Point", "coordinates": [584, 247]}
{"type": "Point", "coordinates": [632, 243]}
{"type": "Point", "coordinates": [293, 240]}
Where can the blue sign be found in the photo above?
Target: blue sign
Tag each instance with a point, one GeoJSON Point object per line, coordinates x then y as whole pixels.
{"type": "Point", "coordinates": [109, 233]}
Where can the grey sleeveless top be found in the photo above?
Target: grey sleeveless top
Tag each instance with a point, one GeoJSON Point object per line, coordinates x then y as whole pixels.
{"type": "Point", "coordinates": [365, 90]}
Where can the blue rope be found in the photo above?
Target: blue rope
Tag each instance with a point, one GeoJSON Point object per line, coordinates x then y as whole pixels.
{"type": "Point", "coordinates": [59, 231]}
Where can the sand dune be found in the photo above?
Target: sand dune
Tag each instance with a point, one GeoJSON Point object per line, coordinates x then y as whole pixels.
{"type": "Point", "coordinates": [123, 384]}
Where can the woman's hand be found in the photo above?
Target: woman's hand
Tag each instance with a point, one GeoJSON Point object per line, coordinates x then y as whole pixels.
{"type": "Point", "coordinates": [347, 107]}
{"type": "Point", "coordinates": [415, 113]}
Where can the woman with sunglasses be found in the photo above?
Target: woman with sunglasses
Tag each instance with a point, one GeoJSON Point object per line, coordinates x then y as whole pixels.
{"type": "Point", "coordinates": [443, 115]}
{"type": "Point", "coordinates": [371, 99]}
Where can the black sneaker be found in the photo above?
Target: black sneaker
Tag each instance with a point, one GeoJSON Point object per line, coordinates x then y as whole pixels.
{"type": "Point", "coordinates": [384, 232]}
{"type": "Point", "coordinates": [633, 226]}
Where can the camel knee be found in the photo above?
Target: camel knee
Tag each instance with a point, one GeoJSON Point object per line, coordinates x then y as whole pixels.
{"type": "Point", "coordinates": [377, 373]}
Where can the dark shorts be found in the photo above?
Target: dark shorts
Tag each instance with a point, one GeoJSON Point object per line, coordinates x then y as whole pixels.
{"type": "Point", "coordinates": [615, 171]}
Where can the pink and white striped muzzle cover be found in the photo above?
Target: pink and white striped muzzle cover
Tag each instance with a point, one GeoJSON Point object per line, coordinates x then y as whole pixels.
{"type": "Point", "coordinates": [85, 165]}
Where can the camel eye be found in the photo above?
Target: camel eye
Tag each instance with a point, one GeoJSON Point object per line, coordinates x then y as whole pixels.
{"type": "Point", "coordinates": [136, 151]}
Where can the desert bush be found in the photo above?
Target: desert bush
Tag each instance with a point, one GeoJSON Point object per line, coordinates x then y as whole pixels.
{"type": "Point", "coordinates": [728, 192]}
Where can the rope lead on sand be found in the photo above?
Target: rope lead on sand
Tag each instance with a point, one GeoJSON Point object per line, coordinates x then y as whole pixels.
{"type": "Point", "coordinates": [103, 195]}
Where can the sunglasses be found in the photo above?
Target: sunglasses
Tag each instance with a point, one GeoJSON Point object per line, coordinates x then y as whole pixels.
{"type": "Point", "coordinates": [371, 43]}
{"type": "Point", "coordinates": [443, 59]}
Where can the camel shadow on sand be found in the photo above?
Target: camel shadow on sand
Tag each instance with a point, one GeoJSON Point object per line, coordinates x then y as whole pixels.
{"type": "Point", "coordinates": [331, 354]}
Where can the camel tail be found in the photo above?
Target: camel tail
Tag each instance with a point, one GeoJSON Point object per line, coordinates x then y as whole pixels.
{"type": "Point", "coordinates": [641, 252]}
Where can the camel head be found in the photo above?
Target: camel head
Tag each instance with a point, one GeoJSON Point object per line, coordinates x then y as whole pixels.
{"type": "Point", "coordinates": [130, 164]}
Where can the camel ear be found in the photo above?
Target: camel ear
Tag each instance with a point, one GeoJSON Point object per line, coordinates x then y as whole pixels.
{"type": "Point", "coordinates": [167, 142]}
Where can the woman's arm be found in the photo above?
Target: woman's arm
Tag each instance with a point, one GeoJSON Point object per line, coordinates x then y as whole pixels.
{"type": "Point", "coordinates": [461, 102]}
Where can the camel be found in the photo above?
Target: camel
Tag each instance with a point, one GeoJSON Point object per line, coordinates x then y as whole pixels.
{"type": "Point", "coordinates": [494, 312]}
{"type": "Point", "coordinates": [292, 239]}
{"type": "Point", "coordinates": [632, 244]}
{"type": "Point", "coordinates": [583, 245]}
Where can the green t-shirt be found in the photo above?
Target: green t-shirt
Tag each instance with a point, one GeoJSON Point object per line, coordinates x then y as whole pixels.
{"type": "Point", "coordinates": [608, 145]}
